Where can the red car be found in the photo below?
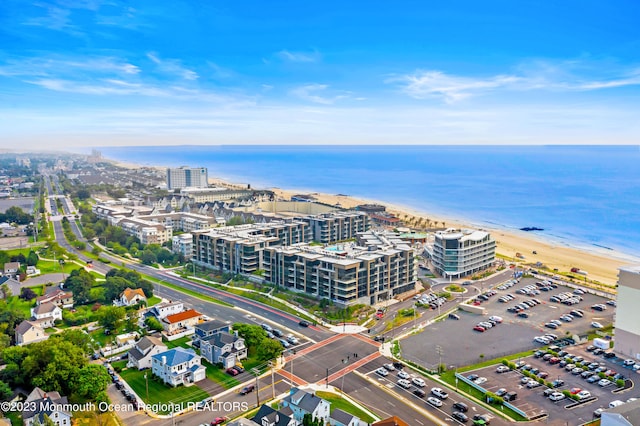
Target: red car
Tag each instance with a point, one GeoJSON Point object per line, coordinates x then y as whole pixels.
{"type": "Point", "coordinates": [575, 391]}
{"type": "Point", "coordinates": [232, 371]}
{"type": "Point", "coordinates": [218, 421]}
{"type": "Point", "coordinates": [479, 328]}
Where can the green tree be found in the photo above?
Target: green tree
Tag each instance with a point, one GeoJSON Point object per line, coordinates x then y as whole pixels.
{"type": "Point", "coordinates": [153, 324]}
{"type": "Point", "coordinates": [5, 391]}
{"type": "Point", "coordinates": [32, 258]}
{"type": "Point", "coordinates": [53, 364]}
{"type": "Point", "coordinates": [309, 420]}
{"type": "Point", "coordinates": [78, 338]}
{"type": "Point", "coordinates": [91, 380]}
{"type": "Point", "coordinates": [252, 334]}
{"type": "Point", "coordinates": [148, 257]}
{"type": "Point", "coordinates": [110, 316]}
{"type": "Point", "coordinates": [80, 283]}
{"type": "Point", "coordinates": [269, 349]}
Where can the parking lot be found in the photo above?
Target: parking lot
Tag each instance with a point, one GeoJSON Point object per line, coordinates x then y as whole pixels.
{"type": "Point", "coordinates": [455, 343]}
{"type": "Point", "coordinates": [534, 402]}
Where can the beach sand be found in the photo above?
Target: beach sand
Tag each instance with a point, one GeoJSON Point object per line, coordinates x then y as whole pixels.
{"type": "Point", "coordinates": [600, 267]}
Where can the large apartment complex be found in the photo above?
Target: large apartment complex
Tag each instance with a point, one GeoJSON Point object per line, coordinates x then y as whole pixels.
{"type": "Point", "coordinates": [372, 269]}
{"type": "Point", "coordinates": [457, 253]}
{"type": "Point", "coordinates": [187, 177]}
{"type": "Point", "coordinates": [627, 339]}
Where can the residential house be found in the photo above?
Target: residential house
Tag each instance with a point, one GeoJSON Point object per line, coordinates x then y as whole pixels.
{"type": "Point", "coordinates": [302, 402]}
{"type": "Point", "coordinates": [130, 297]}
{"type": "Point", "coordinates": [140, 355]}
{"type": "Point", "coordinates": [161, 310]}
{"type": "Point", "coordinates": [239, 422]}
{"type": "Point", "coordinates": [209, 328]}
{"type": "Point", "coordinates": [178, 366]}
{"type": "Point", "coordinates": [57, 296]}
{"type": "Point", "coordinates": [46, 314]}
{"type": "Point", "coordinates": [12, 284]}
{"type": "Point", "coordinates": [182, 321]}
{"type": "Point", "coordinates": [46, 403]}
{"type": "Point", "coordinates": [267, 416]}
{"type": "Point", "coordinates": [11, 269]}
{"type": "Point", "coordinates": [32, 270]}
{"type": "Point", "coordinates": [29, 332]}
{"type": "Point", "coordinates": [224, 348]}
{"type": "Point", "coordinates": [391, 421]}
{"type": "Point", "coordinates": [342, 418]}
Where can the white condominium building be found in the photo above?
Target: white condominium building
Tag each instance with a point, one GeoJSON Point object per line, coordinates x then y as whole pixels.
{"type": "Point", "coordinates": [457, 253]}
{"type": "Point", "coordinates": [627, 340]}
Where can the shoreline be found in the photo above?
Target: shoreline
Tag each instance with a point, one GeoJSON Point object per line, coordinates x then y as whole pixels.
{"type": "Point", "coordinates": [601, 263]}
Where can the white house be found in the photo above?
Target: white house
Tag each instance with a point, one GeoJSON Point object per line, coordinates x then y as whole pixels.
{"type": "Point", "coordinates": [178, 366]}
{"type": "Point", "coordinates": [46, 314]}
{"type": "Point", "coordinates": [162, 310]}
{"type": "Point", "coordinates": [130, 297]}
{"type": "Point", "coordinates": [301, 402]}
{"type": "Point", "coordinates": [140, 355]}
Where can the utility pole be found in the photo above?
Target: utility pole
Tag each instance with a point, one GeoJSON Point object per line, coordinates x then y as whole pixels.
{"type": "Point", "coordinates": [439, 351]}
{"type": "Point", "coordinates": [273, 384]}
{"type": "Point", "coordinates": [257, 373]}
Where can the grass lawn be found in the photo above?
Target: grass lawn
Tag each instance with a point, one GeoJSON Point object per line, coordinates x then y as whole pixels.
{"type": "Point", "coordinates": [186, 291]}
{"type": "Point", "coordinates": [47, 267]}
{"type": "Point", "coordinates": [159, 392]}
{"type": "Point", "coordinates": [179, 342]}
{"type": "Point", "coordinates": [219, 376]}
{"type": "Point", "coordinates": [153, 300]}
{"type": "Point", "coordinates": [15, 302]}
{"type": "Point", "coordinates": [339, 402]}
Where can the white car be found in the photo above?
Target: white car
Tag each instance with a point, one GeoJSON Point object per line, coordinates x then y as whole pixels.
{"type": "Point", "coordinates": [403, 375]}
{"type": "Point", "coordinates": [604, 382]}
{"type": "Point", "coordinates": [480, 380]}
{"type": "Point", "coordinates": [292, 339]}
{"type": "Point", "coordinates": [556, 396]}
{"type": "Point", "coordinates": [583, 395]}
{"type": "Point", "coordinates": [628, 362]}
{"type": "Point", "coordinates": [496, 319]}
{"type": "Point", "coordinates": [439, 393]}
{"type": "Point", "coordinates": [434, 401]}
{"type": "Point", "coordinates": [389, 367]}
{"type": "Point", "coordinates": [532, 384]}
{"type": "Point", "coordinates": [418, 382]}
{"type": "Point", "coordinates": [383, 372]}
{"type": "Point", "coordinates": [404, 383]}
{"type": "Point", "coordinates": [596, 324]}
{"type": "Point", "coordinates": [502, 369]}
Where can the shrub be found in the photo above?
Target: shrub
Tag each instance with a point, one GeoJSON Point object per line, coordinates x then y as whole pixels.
{"type": "Point", "coordinates": [620, 383]}
{"type": "Point", "coordinates": [541, 380]}
{"type": "Point", "coordinates": [505, 362]}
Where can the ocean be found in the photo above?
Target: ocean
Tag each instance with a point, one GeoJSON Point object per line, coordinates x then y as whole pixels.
{"type": "Point", "coordinates": [586, 197]}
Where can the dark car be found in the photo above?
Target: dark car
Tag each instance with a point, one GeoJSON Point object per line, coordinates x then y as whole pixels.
{"type": "Point", "coordinates": [304, 323]}
{"type": "Point", "coordinates": [398, 365]}
{"type": "Point", "coordinates": [461, 417]}
{"type": "Point", "coordinates": [609, 355]}
{"type": "Point", "coordinates": [419, 393]}
{"type": "Point", "coordinates": [511, 396]}
{"type": "Point", "coordinates": [238, 368]}
{"type": "Point", "coordinates": [461, 406]}
{"type": "Point", "coordinates": [247, 389]}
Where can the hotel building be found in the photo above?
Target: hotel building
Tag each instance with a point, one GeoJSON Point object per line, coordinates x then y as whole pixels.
{"type": "Point", "coordinates": [458, 253]}
{"type": "Point", "coordinates": [187, 177]}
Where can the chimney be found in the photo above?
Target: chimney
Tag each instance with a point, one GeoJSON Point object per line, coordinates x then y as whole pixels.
{"type": "Point", "coordinates": [164, 360]}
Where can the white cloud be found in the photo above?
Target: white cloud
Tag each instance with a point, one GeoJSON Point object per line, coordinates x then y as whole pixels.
{"type": "Point", "coordinates": [538, 75]}
{"type": "Point", "coordinates": [290, 56]}
{"type": "Point", "coordinates": [173, 67]}
{"type": "Point", "coordinates": [56, 65]}
{"type": "Point", "coordinates": [313, 93]}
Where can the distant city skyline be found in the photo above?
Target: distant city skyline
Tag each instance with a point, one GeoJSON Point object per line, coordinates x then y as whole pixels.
{"type": "Point", "coordinates": [82, 73]}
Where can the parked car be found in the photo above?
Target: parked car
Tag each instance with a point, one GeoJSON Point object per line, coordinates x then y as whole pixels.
{"type": "Point", "coordinates": [583, 395]}
{"type": "Point", "coordinates": [502, 369]}
{"type": "Point", "coordinates": [389, 367]}
{"type": "Point", "coordinates": [232, 371]}
{"type": "Point", "coordinates": [218, 421]}
{"type": "Point", "coordinates": [556, 396]}
{"type": "Point", "coordinates": [596, 324]}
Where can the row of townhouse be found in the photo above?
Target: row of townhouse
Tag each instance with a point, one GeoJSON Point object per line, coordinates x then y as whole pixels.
{"type": "Point", "coordinates": [373, 269]}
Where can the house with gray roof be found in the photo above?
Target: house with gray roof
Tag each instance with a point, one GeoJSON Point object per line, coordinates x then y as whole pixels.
{"type": "Point", "coordinates": [47, 404]}
{"type": "Point", "coordinates": [178, 366]}
{"type": "Point", "coordinates": [46, 313]}
{"type": "Point", "coordinates": [302, 402]}
{"type": "Point", "coordinates": [267, 416]}
{"type": "Point", "coordinates": [224, 348]}
{"type": "Point", "coordinates": [342, 418]}
{"type": "Point", "coordinates": [627, 414]}
{"type": "Point", "coordinates": [209, 328]}
{"type": "Point", "coordinates": [140, 355]}
{"type": "Point", "coordinates": [11, 269]}
{"type": "Point", "coordinates": [29, 332]}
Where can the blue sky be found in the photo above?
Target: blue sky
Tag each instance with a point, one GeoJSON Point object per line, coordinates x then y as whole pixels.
{"type": "Point", "coordinates": [148, 72]}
